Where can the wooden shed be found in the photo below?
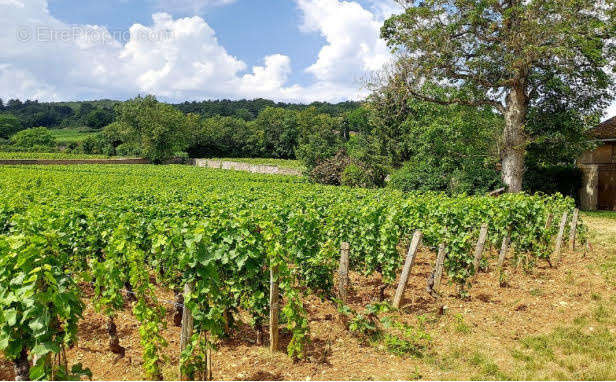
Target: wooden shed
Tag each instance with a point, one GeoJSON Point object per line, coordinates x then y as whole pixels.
{"type": "Point", "coordinates": [599, 166]}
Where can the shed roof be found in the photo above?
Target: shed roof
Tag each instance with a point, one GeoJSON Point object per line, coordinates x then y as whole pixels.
{"type": "Point", "coordinates": [606, 129]}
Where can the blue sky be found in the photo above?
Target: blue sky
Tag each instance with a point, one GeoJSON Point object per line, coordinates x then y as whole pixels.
{"type": "Point", "coordinates": [178, 50]}
{"type": "Point", "coordinates": [249, 29]}
{"type": "Point", "coordinates": [285, 50]}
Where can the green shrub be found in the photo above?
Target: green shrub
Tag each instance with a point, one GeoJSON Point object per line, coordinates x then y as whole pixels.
{"type": "Point", "coordinates": [423, 175]}
{"type": "Point", "coordinates": [33, 139]}
{"type": "Point", "coordinates": [329, 171]}
{"type": "Point", "coordinates": [9, 125]}
{"type": "Point", "coordinates": [128, 150]}
{"type": "Point", "coordinates": [92, 144]}
{"type": "Point", "coordinates": [318, 140]}
{"type": "Point", "coordinates": [150, 128]}
{"type": "Point", "coordinates": [224, 137]}
{"type": "Point", "coordinates": [355, 175]}
{"type": "Point", "coordinates": [182, 157]}
{"type": "Point", "coordinates": [418, 175]}
{"type": "Point", "coordinates": [370, 167]}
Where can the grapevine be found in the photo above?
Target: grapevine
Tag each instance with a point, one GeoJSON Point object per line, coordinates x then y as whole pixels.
{"type": "Point", "coordinates": [115, 226]}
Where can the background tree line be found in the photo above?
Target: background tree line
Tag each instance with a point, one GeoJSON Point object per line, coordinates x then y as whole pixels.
{"type": "Point", "coordinates": [16, 115]}
{"type": "Point", "coordinates": [96, 114]}
{"type": "Point", "coordinates": [420, 145]}
{"type": "Point", "coordinates": [248, 110]}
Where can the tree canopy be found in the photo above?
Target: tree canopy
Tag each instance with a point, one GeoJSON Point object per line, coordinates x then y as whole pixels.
{"type": "Point", "coordinates": [36, 139]}
{"type": "Point", "coordinates": [502, 54]}
{"type": "Point", "coordinates": [9, 125]}
{"type": "Point", "coordinates": [158, 129]}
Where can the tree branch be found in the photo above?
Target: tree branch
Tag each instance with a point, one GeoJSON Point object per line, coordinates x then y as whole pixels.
{"type": "Point", "coordinates": [459, 101]}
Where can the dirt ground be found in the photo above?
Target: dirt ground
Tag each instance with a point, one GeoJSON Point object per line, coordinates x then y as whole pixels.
{"type": "Point", "coordinates": [547, 323]}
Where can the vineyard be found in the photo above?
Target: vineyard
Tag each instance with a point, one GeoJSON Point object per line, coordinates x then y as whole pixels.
{"type": "Point", "coordinates": [229, 245]}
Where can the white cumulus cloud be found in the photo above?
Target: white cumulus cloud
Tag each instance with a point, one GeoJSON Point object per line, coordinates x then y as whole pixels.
{"type": "Point", "coordinates": [179, 58]}
{"type": "Point", "coordinates": [352, 38]}
{"type": "Point", "coordinates": [353, 44]}
{"type": "Point", "coordinates": [196, 6]}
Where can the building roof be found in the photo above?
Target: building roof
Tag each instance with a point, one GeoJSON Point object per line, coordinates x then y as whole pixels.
{"type": "Point", "coordinates": [606, 129]}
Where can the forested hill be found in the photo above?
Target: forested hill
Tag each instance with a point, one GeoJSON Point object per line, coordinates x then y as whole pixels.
{"type": "Point", "coordinates": [99, 113]}
{"type": "Point", "coordinates": [249, 109]}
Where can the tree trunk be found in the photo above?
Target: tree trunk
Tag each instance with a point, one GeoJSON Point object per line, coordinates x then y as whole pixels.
{"type": "Point", "coordinates": [514, 140]}
{"type": "Point", "coordinates": [114, 340]}
{"type": "Point", "coordinates": [22, 366]}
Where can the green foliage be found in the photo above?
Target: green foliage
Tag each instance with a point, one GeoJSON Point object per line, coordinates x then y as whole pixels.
{"type": "Point", "coordinates": [319, 137]}
{"type": "Point", "coordinates": [397, 338]}
{"type": "Point", "coordinates": [363, 325]}
{"type": "Point", "coordinates": [371, 165]}
{"type": "Point", "coordinates": [128, 150]}
{"type": "Point", "coordinates": [33, 139]}
{"type": "Point", "coordinates": [532, 61]}
{"type": "Point", "coordinates": [558, 126]}
{"type": "Point", "coordinates": [33, 113]}
{"type": "Point", "coordinates": [484, 45]}
{"type": "Point", "coordinates": [222, 231]}
{"type": "Point", "coordinates": [194, 357]}
{"type": "Point", "coordinates": [92, 144]}
{"type": "Point", "coordinates": [40, 302]}
{"type": "Point", "coordinates": [440, 148]}
{"type": "Point", "coordinates": [278, 129]}
{"type": "Point", "coordinates": [71, 136]}
{"type": "Point", "coordinates": [358, 121]}
{"type": "Point", "coordinates": [157, 129]}
{"type": "Point", "coordinates": [61, 114]}
{"type": "Point", "coordinates": [248, 110]}
{"type": "Point", "coordinates": [420, 175]}
{"type": "Point", "coordinates": [410, 341]}
{"type": "Point", "coordinates": [275, 133]}
{"type": "Point", "coordinates": [99, 118]}
{"type": "Point", "coordinates": [47, 155]}
{"type": "Point", "coordinates": [225, 136]}
{"type": "Point", "coordinates": [330, 171]}
{"type": "Point", "coordinates": [9, 125]}
{"type": "Point", "coordinates": [355, 176]}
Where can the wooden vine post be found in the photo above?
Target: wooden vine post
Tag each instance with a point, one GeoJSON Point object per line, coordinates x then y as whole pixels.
{"type": "Point", "coordinates": [504, 249]}
{"type": "Point", "coordinates": [559, 238]}
{"type": "Point", "coordinates": [406, 270]}
{"type": "Point", "coordinates": [483, 234]}
{"type": "Point", "coordinates": [187, 327]}
{"type": "Point", "coordinates": [343, 271]}
{"type": "Point", "coordinates": [208, 363]}
{"type": "Point", "coordinates": [438, 271]}
{"type": "Point", "coordinates": [573, 229]}
{"type": "Point", "coordinates": [274, 308]}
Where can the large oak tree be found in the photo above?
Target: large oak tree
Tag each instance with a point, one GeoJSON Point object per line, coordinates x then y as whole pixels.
{"type": "Point", "coordinates": [497, 53]}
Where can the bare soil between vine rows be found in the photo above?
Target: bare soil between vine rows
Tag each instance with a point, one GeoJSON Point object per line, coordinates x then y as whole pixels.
{"type": "Point", "coordinates": [491, 323]}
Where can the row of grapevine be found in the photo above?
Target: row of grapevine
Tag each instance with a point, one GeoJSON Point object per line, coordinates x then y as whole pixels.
{"type": "Point", "coordinates": [221, 233]}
